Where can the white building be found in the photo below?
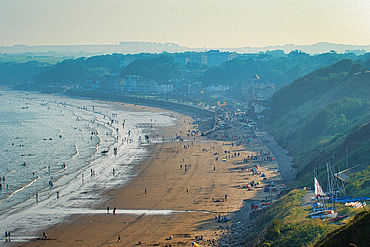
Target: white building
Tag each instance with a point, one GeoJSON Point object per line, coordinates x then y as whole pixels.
{"type": "Point", "coordinates": [137, 83]}
{"type": "Point", "coordinates": [164, 88]}
{"type": "Point", "coordinates": [219, 88]}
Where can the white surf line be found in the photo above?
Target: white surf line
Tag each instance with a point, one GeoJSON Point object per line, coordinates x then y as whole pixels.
{"type": "Point", "coordinates": [71, 211]}
{"type": "Point", "coordinates": [20, 189]}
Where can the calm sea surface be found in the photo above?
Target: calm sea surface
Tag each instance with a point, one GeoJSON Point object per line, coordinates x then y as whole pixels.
{"type": "Point", "coordinates": [59, 154]}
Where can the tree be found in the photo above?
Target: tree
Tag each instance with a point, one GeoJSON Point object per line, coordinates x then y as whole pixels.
{"type": "Point", "coordinates": [159, 68]}
{"type": "Point", "coordinates": [355, 69]}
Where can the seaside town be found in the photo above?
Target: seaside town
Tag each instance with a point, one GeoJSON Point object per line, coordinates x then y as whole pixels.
{"type": "Point", "coordinates": [194, 148]}
{"type": "Point", "coordinates": [191, 123]}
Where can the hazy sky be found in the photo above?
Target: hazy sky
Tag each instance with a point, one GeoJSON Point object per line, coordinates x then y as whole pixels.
{"type": "Point", "coordinates": [192, 23]}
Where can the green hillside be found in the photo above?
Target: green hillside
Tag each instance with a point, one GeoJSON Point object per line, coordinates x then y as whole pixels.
{"type": "Point", "coordinates": [319, 116]}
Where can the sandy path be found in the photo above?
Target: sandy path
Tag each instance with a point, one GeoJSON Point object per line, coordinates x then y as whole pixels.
{"type": "Point", "coordinates": [201, 188]}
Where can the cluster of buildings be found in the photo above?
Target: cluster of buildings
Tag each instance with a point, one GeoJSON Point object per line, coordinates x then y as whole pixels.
{"type": "Point", "coordinates": [257, 89]}
{"type": "Point", "coordinates": [253, 90]}
{"type": "Point", "coordinates": [138, 84]}
{"type": "Point", "coordinates": [257, 92]}
{"type": "Point", "coordinates": [132, 84]}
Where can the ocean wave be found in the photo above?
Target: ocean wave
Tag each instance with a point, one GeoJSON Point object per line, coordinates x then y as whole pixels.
{"type": "Point", "coordinates": [75, 155]}
{"type": "Point", "coordinates": [22, 188]}
{"type": "Point", "coordinates": [9, 172]}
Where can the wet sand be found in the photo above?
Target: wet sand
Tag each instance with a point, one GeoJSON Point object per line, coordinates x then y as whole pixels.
{"type": "Point", "coordinates": [197, 194]}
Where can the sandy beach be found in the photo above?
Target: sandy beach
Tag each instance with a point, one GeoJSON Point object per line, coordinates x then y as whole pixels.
{"type": "Point", "coordinates": [188, 177]}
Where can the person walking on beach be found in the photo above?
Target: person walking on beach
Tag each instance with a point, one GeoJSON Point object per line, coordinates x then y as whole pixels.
{"type": "Point", "coordinates": [114, 210]}
{"type": "Point", "coordinates": [119, 238]}
{"type": "Point", "coordinates": [108, 210]}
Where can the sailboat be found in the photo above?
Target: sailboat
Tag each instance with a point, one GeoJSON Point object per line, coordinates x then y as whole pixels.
{"type": "Point", "coordinates": [319, 210]}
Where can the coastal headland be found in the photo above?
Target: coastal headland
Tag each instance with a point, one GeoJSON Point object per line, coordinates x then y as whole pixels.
{"type": "Point", "coordinates": [201, 180]}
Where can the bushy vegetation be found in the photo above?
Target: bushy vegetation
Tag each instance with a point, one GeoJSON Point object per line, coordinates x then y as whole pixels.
{"type": "Point", "coordinates": [12, 73]}
{"type": "Point", "coordinates": [353, 234]}
{"type": "Point", "coordinates": [68, 71]}
{"type": "Point", "coordinates": [159, 68]}
{"type": "Point", "coordinates": [359, 184]}
{"type": "Point", "coordinates": [335, 117]}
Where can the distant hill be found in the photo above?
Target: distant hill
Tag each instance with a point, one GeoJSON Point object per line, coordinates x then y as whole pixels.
{"type": "Point", "coordinates": [153, 47]}
{"type": "Point", "coordinates": [94, 50]}
{"type": "Point", "coordinates": [321, 47]}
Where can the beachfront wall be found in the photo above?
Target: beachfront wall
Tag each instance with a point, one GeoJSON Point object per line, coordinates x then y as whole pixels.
{"type": "Point", "coordinates": [116, 97]}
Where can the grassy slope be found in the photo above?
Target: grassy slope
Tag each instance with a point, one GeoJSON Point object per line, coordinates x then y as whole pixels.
{"type": "Point", "coordinates": [352, 234]}
{"type": "Point", "coordinates": [285, 223]}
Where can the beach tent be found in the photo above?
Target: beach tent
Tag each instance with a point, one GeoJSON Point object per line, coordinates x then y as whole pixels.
{"type": "Point", "coordinates": [195, 245]}
{"type": "Point", "coordinates": [263, 175]}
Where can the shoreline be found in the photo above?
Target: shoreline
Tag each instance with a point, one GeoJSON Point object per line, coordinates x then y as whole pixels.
{"type": "Point", "coordinates": [70, 194]}
{"type": "Point", "coordinates": [180, 225]}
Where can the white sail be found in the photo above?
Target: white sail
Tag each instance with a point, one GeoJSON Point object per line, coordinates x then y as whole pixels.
{"type": "Point", "coordinates": [318, 189]}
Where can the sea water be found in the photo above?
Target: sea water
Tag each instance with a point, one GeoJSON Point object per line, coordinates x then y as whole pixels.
{"type": "Point", "coordinates": [59, 154]}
